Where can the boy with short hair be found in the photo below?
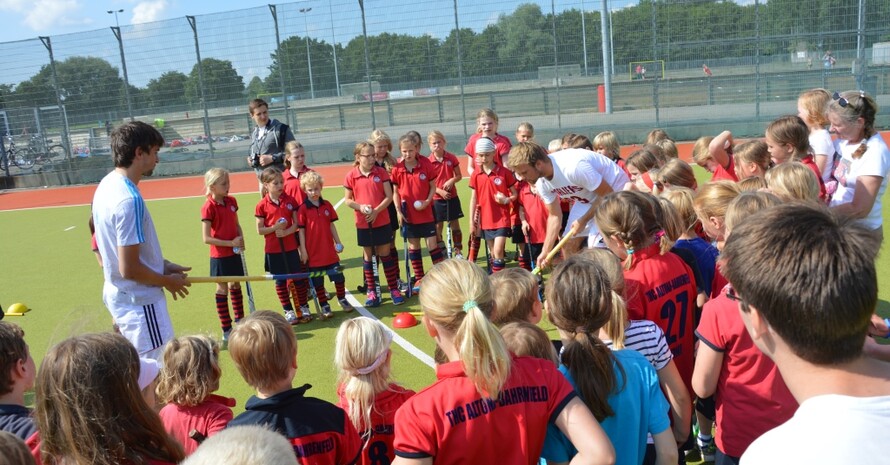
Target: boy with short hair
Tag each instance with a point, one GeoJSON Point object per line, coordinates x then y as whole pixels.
{"type": "Point", "coordinates": [808, 308]}
{"type": "Point", "coordinates": [264, 350]}
{"type": "Point", "coordinates": [515, 293]}
{"type": "Point", "coordinates": [316, 218]}
{"type": "Point", "coordinates": [17, 372]}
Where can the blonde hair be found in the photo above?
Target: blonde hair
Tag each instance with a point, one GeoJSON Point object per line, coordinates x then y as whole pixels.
{"type": "Point", "coordinates": [456, 296]}
{"type": "Point", "coordinates": [608, 141]}
{"type": "Point", "coordinates": [747, 204]}
{"type": "Point", "coordinates": [514, 291]}
{"type": "Point", "coordinates": [527, 340]}
{"type": "Point", "coordinates": [858, 106]}
{"type": "Point", "coordinates": [701, 152]}
{"type": "Point", "coordinates": [268, 333]}
{"type": "Point", "coordinates": [358, 150]}
{"type": "Point", "coordinates": [288, 147]}
{"type": "Point", "coordinates": [436, 134]}
{"type": "Point", "coordinates": [528, 127]}
{"type": "Point", "coordinates": [554, 145]}
{"type": "Point", "coordinates": [668, 149]}
{"type": "Point", "coordinates": [13, 450]}
{"type": "Point", "coordinates": [190, 371]}
{"type": "Point", "coordinates": [486, 113]}
{"type": "Point", "coordinates": [526, 153]}
{"type": "Point", "coordinates": [213, 176]}
{"type": "Point", "coordinates": [677, 173]}
{"type": "Point", "coordinates": [361, 353]}
{"type": "Point", "coordinates": [311, 178]}
{"type": "Point", "coordinates": [644, 159]}
{"type": "Point", "coordinates": [713, 198]}
{"type": "Point", "coordinates": [752, 184]}
{"type": "Point", "coordinates": [814, 101]}
{"type": "Point", "coordinates": [656, 135]}
{"type": "Point", "coordinates": [752, 151]}
{"type": "Point", "coordinates": [378, 136]}
{"type": "Point", "coordinates": [611, 265]}
{"type": "Point", "coordinates": [244, 445]}
{"type": "Point", "coordinates": [632, 218]}
{"type": "Point", "coordinates": [793, 181]}
{"type": "Point", "coordinates": [683, 200]}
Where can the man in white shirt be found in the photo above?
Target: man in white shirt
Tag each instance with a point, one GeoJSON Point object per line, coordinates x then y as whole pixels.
{"type": "Point", "coordinates": [576, 174]}
{"type": "Point", "coordinates": [136, 272]}
{"type": "Point", "coordinates": [807, 304]}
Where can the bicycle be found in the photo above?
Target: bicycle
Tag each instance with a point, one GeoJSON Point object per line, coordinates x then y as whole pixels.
{"type": "Point", "coordinates": [23, 158]}
{"type": "Point", "coordinates": [43, 154]}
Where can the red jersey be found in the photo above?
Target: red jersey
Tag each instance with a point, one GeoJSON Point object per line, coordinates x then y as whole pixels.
{"type": "Point", "coordinates": [664, 288]}
{"type": "Point", "coordinates": [271, 211]}
{"type": "Point", "coordinates": [751, 396]}
{"type": "Point", "coordinates": [292, 184]}
{"type": "Point", "coordinates": [223, 219]}
{"type": "Point", "coordinates": [810, 163]}
{"type": "Point", "coordinates": [727, 174]}
{"type": "Point", "coordinates": [382, 430]}
{"type": "Point", "coordinates": [367, 189]}
{"type": "Point", "coordinates": [502, 149]}
{"type": "Point", "coordinates": [443, 170]}
{"type": "Point", "coordinates": [208, 418]}
{"type": "Point", "coordinates": [718, 283]}
{"type": "Point", "coordinates": [315, 221]}
{"type": "Point", "coordinates": [415, 184]}
{"type": "Point", "coordinates": [455, 424]}
{"type": "Point", "coordinates": [493, 214]}
{"type": "Point", "coordinates": [535, 213]}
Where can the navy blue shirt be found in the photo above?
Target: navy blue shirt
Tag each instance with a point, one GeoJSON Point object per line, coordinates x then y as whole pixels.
{"type": "Point", "coordinates": [17, 420]}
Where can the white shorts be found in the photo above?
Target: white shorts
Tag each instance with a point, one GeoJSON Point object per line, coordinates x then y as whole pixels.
{"type": "Point", "coordinates": [147, 327]}
{"type": "Point", "coordinates": [590, 229]}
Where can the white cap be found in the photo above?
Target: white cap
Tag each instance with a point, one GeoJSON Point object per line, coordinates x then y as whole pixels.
{"type": "Point", "coordinates": [485, 145]}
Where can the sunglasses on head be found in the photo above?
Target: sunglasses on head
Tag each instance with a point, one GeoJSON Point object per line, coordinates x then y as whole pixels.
{"type": "Point", "coordinates": [844, 102]}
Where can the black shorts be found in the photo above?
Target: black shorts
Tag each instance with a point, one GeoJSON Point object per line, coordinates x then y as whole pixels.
{"type": "Point", "coordinates": [375, 236]}
{"type": "Point", "coordinates": [490, 234]}
{"type": "Point", "coordinates": [447, 210]}
{"type": "Point", "coordinates": [393, 219]}
{"type": "Point", "coordinates": [226, 266]}
{"type": "Point", "coordinates": [415, 231]}
{"type": "Point", "coordinates": [283, 263]}
{"type": "Point", "coordinates": [516, 235]}
{"type": "Point", "coordinates": [335, 278]}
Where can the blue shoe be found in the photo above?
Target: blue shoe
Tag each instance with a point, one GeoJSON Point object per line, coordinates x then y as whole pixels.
{"type": "Point", "coordinates": [396, 296]}
{"type": "Point", "coordinates": [416, 288]}
{"type": "Point", "coordinates": [372, 300]}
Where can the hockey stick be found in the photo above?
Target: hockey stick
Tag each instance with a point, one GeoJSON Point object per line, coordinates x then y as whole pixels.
{"type": "Point", "coordinates": [565, 239]}
{"type": "Point", "coordinates": [265, 277]}
{"type": "Point", "coordinates": [250, 304]}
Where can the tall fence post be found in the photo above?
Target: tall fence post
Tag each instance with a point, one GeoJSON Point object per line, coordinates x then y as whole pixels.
{"type": "Point", "coordinates": [120, 44]}
{"type": "Point", "coordinates": [757, 59]}
{"type": "Point", "coordinates": [556, 63]}
{"type": "Point", "coordinates": [47, 42]}
{"type": "Point", "coordinates": [281, 61]}
{"type": "Point", "coordinates": [194, 25]}
{"type": "Point", "coordinates": [361, 5]}
{"type": "Point", "coordinates": [606, 26]}
{"type": "Point", "coordinates": [460, 74]}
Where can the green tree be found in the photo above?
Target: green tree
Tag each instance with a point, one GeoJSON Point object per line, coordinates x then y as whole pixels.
{"type": "Point", "coordinates": [87, 85]}
{"type": "Point", "coordinates": [526, 38]}
{"type": "Point", "coordinates": [255, 88]}
{"type": "Point", "coordinates": [167, 89]}
{"type": "Point", "coordinates": [221, 82]}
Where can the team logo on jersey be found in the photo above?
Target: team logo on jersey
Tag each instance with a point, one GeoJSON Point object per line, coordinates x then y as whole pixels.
{"type": "Point", "coordinates": [498, 181]}
{"type": "Point", "coordinates": [376, 178]}
{"type": "Point", "coordinates": [448, 163]}
{"type": "Point", "coordinates": [233, 209]}
{"type": "Point", "coordinates": [422, 177]}
{"type": "Point", "coordinates": [327, 212]}
{"type": "Point", "coordinates": [290, 207]}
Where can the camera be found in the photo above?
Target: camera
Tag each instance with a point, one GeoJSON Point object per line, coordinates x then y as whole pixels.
{"type": "Point", "coordinates": [254, 160]}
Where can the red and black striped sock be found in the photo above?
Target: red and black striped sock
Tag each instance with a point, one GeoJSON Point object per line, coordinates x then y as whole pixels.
{"type": "Point", "coordinates": [368, 268]}
{"type": "Point", "coordinates": [222, 311]}
{"type": "Point", "coordinates": [391, 270]}
{"type": "Point", "coordinates": [524, 251]}
{"type": "Point", "coordinates": [473, 245]}
{"type": "Point", "coordinates": [416, 259]}
{"type": "Point", "coordinates": [283, 294]}
{"type": "Point", "coordinates": [394, 254]}
{"type": "Point", "coordinates": [321, 293]}
{"type": "Point", "coordinates": [301, 291]}
{"type": "Point", "coordinates": [237, 302]}
{"type": "Point", "coordinates": [457, 238]}
{"type": "Point", "coordinates": [497, 265]}
{"type": "Point", "coordinates": [341, 289]}
{"type": "Point", "coordinates": [437, 255]}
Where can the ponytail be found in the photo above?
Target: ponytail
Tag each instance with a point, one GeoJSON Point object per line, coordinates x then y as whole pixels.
{"type": "Point", "coordinates": [482, 351]}
{"type": "Point", "coordinates": [590, 363]}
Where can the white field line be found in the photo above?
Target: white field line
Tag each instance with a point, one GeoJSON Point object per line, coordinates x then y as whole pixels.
{"type": "Point", "coordinates": [411, 348]}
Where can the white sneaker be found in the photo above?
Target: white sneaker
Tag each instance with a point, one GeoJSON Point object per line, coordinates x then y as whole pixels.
{"type": "Point", "coordinates": [291, 317]}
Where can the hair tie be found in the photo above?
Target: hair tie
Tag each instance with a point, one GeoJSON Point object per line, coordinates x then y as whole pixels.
{"type": "Point", "coordinates": [470, 304]}
{"type": "Point", "coordinates": [580, 330]}
{"type": "Point", "coordinates": [377, 361]}
{"type": "Point", "coordinates": [629, 250]}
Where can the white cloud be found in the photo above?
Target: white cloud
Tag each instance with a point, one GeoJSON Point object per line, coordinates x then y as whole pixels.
{"type": "Point", "coordinates": [148, 11]}
{"type": "Point", "coordinates": [46, 15]}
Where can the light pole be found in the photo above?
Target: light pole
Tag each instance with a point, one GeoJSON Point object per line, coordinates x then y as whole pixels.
{"type": "Point", "coordinates": [308, 55]}
{"type": "Point", "coordinates": [115, 12]}
{"type": "Point", "coordinates": [584, 36]}
{"type": "Point", "coordinates": [334, 48]}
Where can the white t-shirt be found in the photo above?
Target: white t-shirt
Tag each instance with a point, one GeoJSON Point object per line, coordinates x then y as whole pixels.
{"type": "Point", "coordinates": [121, 219]}
{"type": "Point", "coordinates": [576, 174]}
{"type": "Point", "coordinates": [827, 429]}
{"type": "Point", "coordinates": [821, 143]}
{"type": "Point", "coordinates": [874, 162]}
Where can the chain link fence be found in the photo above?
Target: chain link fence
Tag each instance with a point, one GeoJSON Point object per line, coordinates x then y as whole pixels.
{"type": "Point", "coordinates": [335, 69]}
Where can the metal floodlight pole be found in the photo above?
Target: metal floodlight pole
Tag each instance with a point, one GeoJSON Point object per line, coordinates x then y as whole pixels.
{"type": "Point", "coordinates": [334, 48]}
{"type": "Point", "coordinates": [460, 74]}
{"type": "Point", "coordinates": [361, 5]}
{"type": "Point", "coordinates": [305, 12]}
{"type": "Point", "coordinates": [584, 36]}
{"type": "Point", "coordinates": [607, 55]}
{"type": "Point", "coordinates": [47, 42]}
{"type": "Point", "coordinates": [194, 25]}
{"type": "Point", "coordinates": [281, 61]}
{"type": "Point", "coordinates": [555, 64]}
{"type": "Point", "coordinates": [120, 44]}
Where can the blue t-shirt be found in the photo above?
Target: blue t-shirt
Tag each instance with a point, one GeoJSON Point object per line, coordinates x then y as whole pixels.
{"type": "Point", "coordinates": [706, 256]}
{"type": "Point", "coordinates": [640, 408]}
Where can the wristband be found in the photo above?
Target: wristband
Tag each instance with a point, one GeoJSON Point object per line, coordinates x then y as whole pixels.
{"type": "Point", "coordinates": [887, 322]}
